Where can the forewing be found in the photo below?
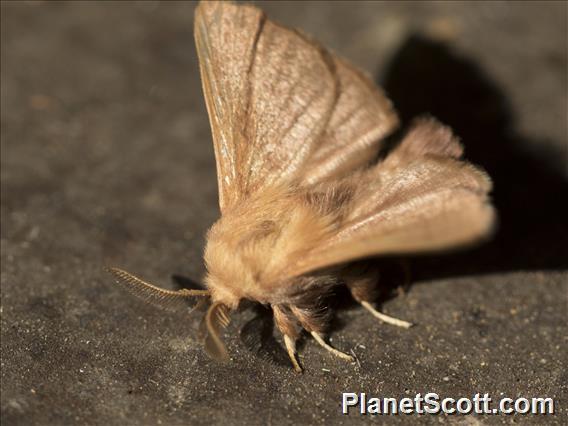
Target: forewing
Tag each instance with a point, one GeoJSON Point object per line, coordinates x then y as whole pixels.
{"type": "Point", "coordinates": [270, 93]}
{"type": "Point", "coordinates": [362, 117]}
{"type": "Point", "coordinates": [226, 37]}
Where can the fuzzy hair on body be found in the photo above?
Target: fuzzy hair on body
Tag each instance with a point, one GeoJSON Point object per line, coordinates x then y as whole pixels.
{"type": "Point", "coordinates": [296, 132]}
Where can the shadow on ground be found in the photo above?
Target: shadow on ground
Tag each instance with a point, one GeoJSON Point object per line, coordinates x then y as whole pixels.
{"type": "Point", "coordinates": [426, 76]}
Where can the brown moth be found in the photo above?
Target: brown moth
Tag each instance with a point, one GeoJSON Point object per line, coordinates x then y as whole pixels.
{"type": "Point", "coordinates": [297, 131]}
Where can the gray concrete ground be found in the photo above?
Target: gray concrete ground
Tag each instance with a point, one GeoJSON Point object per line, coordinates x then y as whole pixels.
{"type": "Point", "coordinates": [107, 159]}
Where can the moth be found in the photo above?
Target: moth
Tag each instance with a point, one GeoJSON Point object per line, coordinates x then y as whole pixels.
{"type": "Point", "coordinates": [307, 192]}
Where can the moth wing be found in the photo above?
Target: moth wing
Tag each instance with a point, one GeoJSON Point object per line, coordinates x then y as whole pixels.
{"type": "Point", "coordinates": [362, 117]}
{"type": "Point", "coordinates": [421, 198]}
{"type": "Point", "coordinates": [269, 91]}
{"type": "Point", "coordinates": [282, 107]}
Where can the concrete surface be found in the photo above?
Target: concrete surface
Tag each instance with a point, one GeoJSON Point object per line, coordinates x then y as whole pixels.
{"type": "Point", "coordinates": [107, 159]}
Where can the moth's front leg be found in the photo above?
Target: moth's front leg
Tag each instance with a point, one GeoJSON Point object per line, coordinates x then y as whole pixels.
{"type": "Point", "coordinates": [362, 279]}
{"type": "Point", "coordinates": [290, 329]}
{"type": "Point", "coordinates": [291, 319]}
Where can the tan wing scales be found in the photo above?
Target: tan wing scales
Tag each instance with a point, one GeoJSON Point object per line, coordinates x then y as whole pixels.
{"type": "Point", "coordinates": [281, 107]}
{"type": "Point", "coordinates": [420, 199]}
{"type": "Point", "coordinates": [361, 119]}
{"type": "Point", "coordinates": [269, 92]}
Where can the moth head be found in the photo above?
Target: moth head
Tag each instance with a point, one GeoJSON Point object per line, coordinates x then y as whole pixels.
{"type": "Point", "coordinates": [223, 276]}
{"type": "Point", "coordinates": [240, 249]}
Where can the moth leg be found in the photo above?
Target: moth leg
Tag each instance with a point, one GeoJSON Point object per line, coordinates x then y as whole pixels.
{"type": "Point", "coordinates": [403, 288]}
{"type": "Point", "coordinates": [361, 278]}
{"type": "Point", "coordinates": [290, 329]}
{"type": "Point", "coordinates": [314, 322]}
{"type": "Point", "coordinates": [319, 338]}
{"type": "Point", "coordinates": [291, 349]}
{"type": "Point", "coordinates": [384, 317]}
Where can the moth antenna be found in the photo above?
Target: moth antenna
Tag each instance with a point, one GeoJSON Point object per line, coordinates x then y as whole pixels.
{"type": "Point", "coordinates": [166, 299]}
{"type": "Point", "coordinates": [217, 317]}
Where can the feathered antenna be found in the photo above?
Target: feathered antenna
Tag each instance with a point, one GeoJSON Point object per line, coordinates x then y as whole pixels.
{"type": "Point", "coordinates": [167, 299]}
{"type": "Point", "coordinates": [217, 317]}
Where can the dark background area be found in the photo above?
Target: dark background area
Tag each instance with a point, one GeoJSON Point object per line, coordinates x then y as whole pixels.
{"type": "Point", "coordinates": [107, 160]}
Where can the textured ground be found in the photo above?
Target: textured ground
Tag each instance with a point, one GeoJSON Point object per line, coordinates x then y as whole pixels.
{"type": "Point", "coordinates": [107, 159]}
